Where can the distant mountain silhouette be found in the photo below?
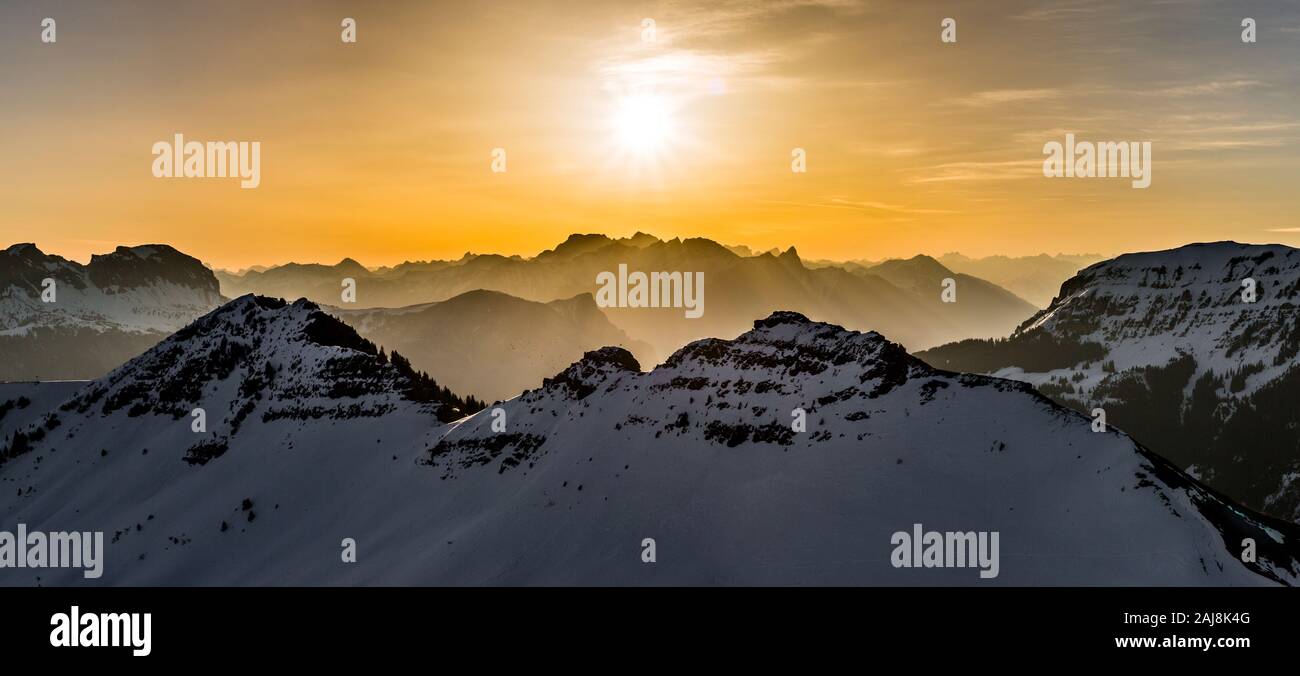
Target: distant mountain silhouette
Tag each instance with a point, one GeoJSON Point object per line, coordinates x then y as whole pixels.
{"type": "Point", "coordinates": [1034, 278]}
{"type": "Point", "coordinates": [490, 344]}
{"type": "Point", "coordinates": [737, 288]}
{"type": "Point", "coordinates": [982, 309]}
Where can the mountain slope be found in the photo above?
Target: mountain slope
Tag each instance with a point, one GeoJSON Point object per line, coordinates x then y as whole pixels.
{"type": "Point", "coordinates": [697, 455]}
{"type": "Point", "coordinates": [102, 313]}
{"type": "Point", "coordinates": [490, 344]}
{"type": "Point", "coordinates": [1165, 343]}
{"type": "Point", "coordinates": [299, 411]}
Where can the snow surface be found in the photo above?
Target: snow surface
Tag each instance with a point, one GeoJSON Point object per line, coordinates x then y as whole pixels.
{"type": "Point", "coordinates": [1150, 308]}
{"type": "Point", "coordinates": [696, 454]}
{"type": "Point", "coordinates": [155, 305]}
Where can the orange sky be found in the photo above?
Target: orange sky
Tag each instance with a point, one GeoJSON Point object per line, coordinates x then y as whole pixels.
{"type": "Point", "coordinates": [380, 150]}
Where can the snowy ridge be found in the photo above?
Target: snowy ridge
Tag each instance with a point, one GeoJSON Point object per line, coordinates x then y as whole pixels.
{"type": "Point", "coordinates": [1166, 343]}
{"type": "Point", "coordinates": [305, 422]}
{"type": "Point", "coordinates": [1151, 308]}
{"type": "Point", "coordinates": [1169, 345]}
{"type": "Point", "coordinates": [300, 361]}
{"type": "Point", "coordinates": [698, 454]}
{"type": "Point", "coordinates": [701, 452]}
{"type": "Point", "coordinates": [144, 289]}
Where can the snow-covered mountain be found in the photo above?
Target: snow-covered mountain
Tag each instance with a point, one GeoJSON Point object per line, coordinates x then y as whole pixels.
{"type": "Point", "coordinates": [297, 410]}
{"type": "Point", "coordinates": [570, 483]}
{"type": "Point", "coordinates": [700, 455]}
{"type": "Point", "coordinates": [90, 318]}
{"type": "Point", "coordinates": [1170, 345]}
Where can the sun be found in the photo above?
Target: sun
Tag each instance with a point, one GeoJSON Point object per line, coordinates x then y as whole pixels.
{"type": "Point", "coordinates": [643, 124]}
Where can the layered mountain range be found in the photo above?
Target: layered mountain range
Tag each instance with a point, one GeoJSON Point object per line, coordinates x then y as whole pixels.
{"type": "Point", "coordinates": [1191, 350]}
{"type": "Point", "coordinates": [902, 299]}
{"type": "Point", "coordinates": [248, 445]}
{"type": "Point", "coordinates": [482, 343]}
{"type": "Point", "coordinates": [315, 438]}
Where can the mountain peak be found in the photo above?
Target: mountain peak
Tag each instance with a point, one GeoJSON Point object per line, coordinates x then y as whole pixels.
{"type": "Point", "coordinates": [920, 265]}
{"type": "Point", "coordinates": [26, 249]}
{"type": "Point", "coordinates": [789, 345]}
{"type": "Point", "coordinates": [288, 360]}
{"type": "Point", "coordinates": [1203, 253]}
{"type": "Point", "coordinates": [351, 264]}
{"type": "Point", "coordinates": [781, 317]}
{"type": "Point", "coordinates": [641, 239]}
{"type": "Point", "coordinates": [578, 239]}
{"type": "Point", "coordinates": [701, 246]}
{"type": "Point", "coordinates": [614, 357]}
{"type": "Point", "coordinates": [595, 368]}
{"type": "Point", "coordinates": [145, 250]}
{"type": "Point", "coordinates": [148, 265]}
{"type": "Point", "coordinates": [576, 244]}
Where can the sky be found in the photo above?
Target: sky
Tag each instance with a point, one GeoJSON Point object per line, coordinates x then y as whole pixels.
{"type": "Point", "coordinates": [382, 150]}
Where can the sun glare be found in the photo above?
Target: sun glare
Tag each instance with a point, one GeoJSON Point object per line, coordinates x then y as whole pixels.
{"type": "Point", "coordinates": [643, 124]}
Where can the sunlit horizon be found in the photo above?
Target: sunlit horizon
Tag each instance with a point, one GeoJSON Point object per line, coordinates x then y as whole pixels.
{"type": "Point", "coordinates": [380, 151]}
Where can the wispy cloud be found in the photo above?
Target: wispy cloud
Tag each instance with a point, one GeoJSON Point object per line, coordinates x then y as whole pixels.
{"type": "Point", "coordinates": [680, 70]}
{"type": "Point", "coordinates": [882, 208]}
{"type": "Point", "coordinates": [697, 46]}
{"type": "Point", "coordinates": [688, 20]}
{"type": "Point", "coordinates": [1204, 88]}
{"type": "Point", "coordinates": [1041, 13]}
{"type": "Point", "coordinates": [997, 97]}
{"type": "Point", "coordinates": [1180, 136]}
{"type": "Point", "coordinates": [1227, 144]}
{"type": "Point", "coordinates": [1009, 170]}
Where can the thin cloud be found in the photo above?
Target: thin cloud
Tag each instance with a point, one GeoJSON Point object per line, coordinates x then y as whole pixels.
{"type": "Point", "coordinates": [1009, 170]}
{"type": "Point", "coordinates": [692, 20]}
{"type": "Point", "coordinates": [686, 55]}
{"type": "Point", "coordinates": [1054, 13]}
{"type": "Point", "coordinates": [865, 205]}
{"type": "Point", "coordinates": [997, 97]}
{"type": "Point", "coordinates": [1227, 144]}
{"type": "Point", "coordinates": [1204, 88]}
